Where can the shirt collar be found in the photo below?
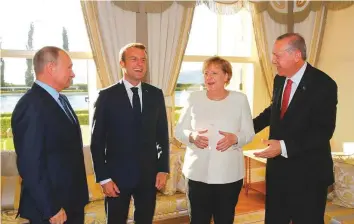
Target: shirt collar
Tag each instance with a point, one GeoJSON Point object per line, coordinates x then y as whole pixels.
{"type": "Point", "coordinates": [298, 75]}
{"type": "Point", "coordinates": [128, 85]}
{"type": "Point", "coordinates": [49, 89]}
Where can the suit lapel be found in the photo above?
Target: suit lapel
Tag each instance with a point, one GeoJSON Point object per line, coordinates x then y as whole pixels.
{"type": "Point", "coordinates": [77, 123]}
{"type": "Point", "coordinates": [300, 92]}
{"type": "Point", "coordinates": [50, 101]}
{"type": "Point", "coordinates": [146, 101]}
{"type": "Point", "coordinates": [278, 92]}
{"type": "Point", "coordinates": [123, 93]}
{"type": "Point", "coordinates": [56, 111]}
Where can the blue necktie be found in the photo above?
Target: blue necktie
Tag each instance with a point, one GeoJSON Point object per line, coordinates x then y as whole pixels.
{"type": "Point", "coordinates": [137, 120]}
{"type": "Point", "coordinates": [66, 108]}
{"type": "Point", "coordinates": [136, 101]}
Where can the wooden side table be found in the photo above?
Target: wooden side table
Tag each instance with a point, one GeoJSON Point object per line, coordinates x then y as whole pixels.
{"type": "Point", "coordinates": [248, 184]}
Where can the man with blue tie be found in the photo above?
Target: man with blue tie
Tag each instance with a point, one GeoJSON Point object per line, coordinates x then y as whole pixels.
{"type": "Point", "coordinates": [48, 145]}
{"type": "Point", "coordinates": [130, 147]}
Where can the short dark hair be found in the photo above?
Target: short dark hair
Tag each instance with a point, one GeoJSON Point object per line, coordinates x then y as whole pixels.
{"type": "Point", "coordinates": [131, 45]}
{"type": "Point", "coordinates": [45, 55]}
{"type": "Point", "coordinates": [224, 65]}
{"type": "Point", "coordinates": [296, 42]}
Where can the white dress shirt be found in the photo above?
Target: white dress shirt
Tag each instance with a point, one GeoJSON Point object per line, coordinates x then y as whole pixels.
{"type": "Point", "coordinates": [130, 93]}
{"type": "Point", "coordinates": [296, 81]}
{"type": "Point", "coordinates": [232, 115]}
{"type": "Point", "coordinates": [55, 94]}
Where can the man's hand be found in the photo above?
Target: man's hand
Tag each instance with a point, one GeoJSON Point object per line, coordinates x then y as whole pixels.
{"type": "Point", "coordinates": [161, 179]}
{"type": "Point", "coordinates": [197, 139]}
{"type": "Point", "coordinates": [110, 189]}
{"type": "Point", "coordinates": [59, 218]}
{"type": "Point", "coordinates": [273, 149]}
{"type": "Point", "coordinates": [227, 141]}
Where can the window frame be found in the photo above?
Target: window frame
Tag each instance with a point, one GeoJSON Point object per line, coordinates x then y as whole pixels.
{"type": "Point", "coordinates": [29, 54]}
{"type": "Point", "coordinates": [252, 59]}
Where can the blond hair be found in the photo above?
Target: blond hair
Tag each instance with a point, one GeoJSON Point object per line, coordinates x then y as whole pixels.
{"type": "Point", "coordinates": [224, 65]}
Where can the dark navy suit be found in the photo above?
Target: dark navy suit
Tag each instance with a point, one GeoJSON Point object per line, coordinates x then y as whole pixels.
{"type": "Point", "coordinates": [50, 158]}
{"type": "Point", "coordinates": [296, 187]}
{"type": "Point", "coordinates": [130, 154]}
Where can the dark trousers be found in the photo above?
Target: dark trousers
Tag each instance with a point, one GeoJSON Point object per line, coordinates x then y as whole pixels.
{"type": "Point", "coordinates": [213, 200]}
{"type": "Point", "coordinates": [144, 202]}
{"type": "Point", "coordinates": [301, 203]}
{"type": "Point", "coordinates": [76, 217]}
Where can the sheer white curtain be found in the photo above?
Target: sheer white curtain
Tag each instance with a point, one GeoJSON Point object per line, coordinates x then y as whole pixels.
{"type": "Point", "coordinates": [167, 39]}
{"type": "Point", "coordinates": [109, 28]}
{"type": "Point", "coordinates": [118, 28]}
{"type": "Point", "coordinates": [266, 31]}
{"type": "Point", "coordinates": [164, 42]}
{"type": "Point", "coordinates": [272, 31]}
{"type": "Point", "coordinates": [312, 29]}
{"type": "Point", "coordinates": [111, 25]}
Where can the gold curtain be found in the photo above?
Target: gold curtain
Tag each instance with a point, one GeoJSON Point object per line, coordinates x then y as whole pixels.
{"type": "Point", "coordinates": [182, 45]}
{"type": "Point", "coordinates": [225, 7]}
{"type": "Point", "coordinates": [278, 11]}
{"type": "Point", "coordinates": [262, 48]}
{"type": "Point", "coordinates": [150, 6]}
{"type": "Point", "coordinates": [315, 46]}
{"type": "Point", "coordinates": [89, 9]}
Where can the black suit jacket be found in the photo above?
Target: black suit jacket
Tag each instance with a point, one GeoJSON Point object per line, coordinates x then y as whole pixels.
{"type": "Point", "coordinates": [50, 157]}
{"type": "Point", "coordinates": [306, 129]}
{"type": "Point", "coordinates": [119, 151]}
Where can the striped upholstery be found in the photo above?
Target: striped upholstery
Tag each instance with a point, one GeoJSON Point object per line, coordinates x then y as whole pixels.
{"type": "Point", "coordinates": [10, 192]}
{"type": "Point", "coordinates": [344, 181]}
{"type": "Point", "coordinates": [10, 189]}
{"type": "Point", "coordinates": [338, 215]}
{"type": "Point", "coordinates": [167, 206]}
{"type": "Point", "coordinates": [10, 181]}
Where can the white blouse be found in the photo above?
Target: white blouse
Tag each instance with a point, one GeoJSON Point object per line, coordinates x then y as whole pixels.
{"type": "Point", "coordinates": [231, 114]}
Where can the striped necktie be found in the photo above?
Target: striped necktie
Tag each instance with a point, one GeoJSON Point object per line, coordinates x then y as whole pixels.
{"type": "Point", "coordinates": [64, 102]}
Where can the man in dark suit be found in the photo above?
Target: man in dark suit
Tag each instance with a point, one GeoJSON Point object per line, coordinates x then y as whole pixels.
{"type": "Point", "coordinates": [302, 119]}
{"type": "Point", "coordinates": [130, 146]}
{"type": "Point", "coordinates": [48, 145]}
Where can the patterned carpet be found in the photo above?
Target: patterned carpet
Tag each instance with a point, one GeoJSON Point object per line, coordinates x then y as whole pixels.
{"type": "Point", "coordinates": [256, 217]}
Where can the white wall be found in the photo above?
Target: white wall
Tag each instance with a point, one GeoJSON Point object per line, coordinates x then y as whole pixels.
{"type": "Point", "coordinates": [337, 60]}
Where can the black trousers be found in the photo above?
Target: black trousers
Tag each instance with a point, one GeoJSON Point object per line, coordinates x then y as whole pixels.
{"type": "Point", "coordinates": [144, 202]}
{"type": "Point", "coordinates": [213, 200]}
{"type": "Point", "coordinates": [301, 203]}
{"type": "Point", "coordinates": [76, 217]}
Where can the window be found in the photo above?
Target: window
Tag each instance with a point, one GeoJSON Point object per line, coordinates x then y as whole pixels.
{"type": "Point", "coordinates": [228, 36]}
{"type": "Point", "coordinates": [49, 18]}
{"type": "Point", "coordinates": [43, 23]}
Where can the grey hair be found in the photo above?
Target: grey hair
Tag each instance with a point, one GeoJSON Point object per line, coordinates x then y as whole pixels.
{"type": "Point", "coordinates": [296, 42]}
{"type": "Point", "coordinates": [45, 55]}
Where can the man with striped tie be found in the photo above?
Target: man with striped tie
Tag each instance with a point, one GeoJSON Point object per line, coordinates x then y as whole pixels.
{"type": "Point", "coordinates": [48, 145]}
